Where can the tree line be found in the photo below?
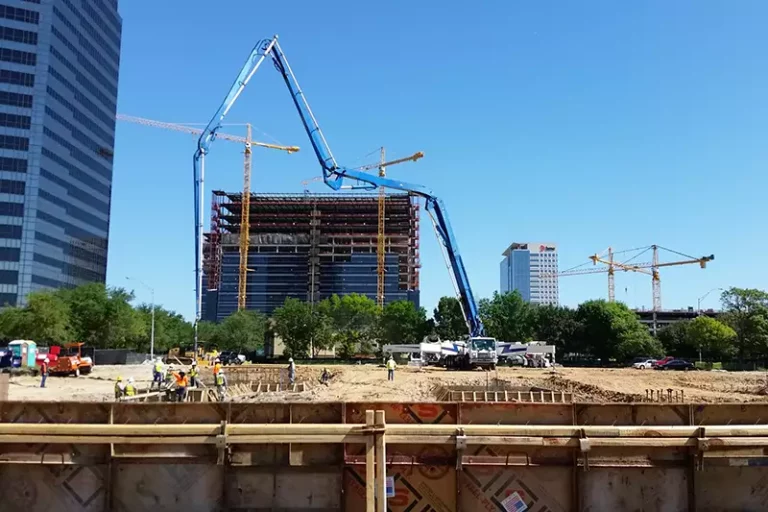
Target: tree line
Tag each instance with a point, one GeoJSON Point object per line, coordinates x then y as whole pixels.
{"type": "Point", "coordinates": [104, 317]}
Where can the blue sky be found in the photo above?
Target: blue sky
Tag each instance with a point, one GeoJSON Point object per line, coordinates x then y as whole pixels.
{"type": "Point", "coordinates": [587, 124]}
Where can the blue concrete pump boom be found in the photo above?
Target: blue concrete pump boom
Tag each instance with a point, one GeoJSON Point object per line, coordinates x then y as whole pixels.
{"type": "Point", "coordinates": [334, 176]}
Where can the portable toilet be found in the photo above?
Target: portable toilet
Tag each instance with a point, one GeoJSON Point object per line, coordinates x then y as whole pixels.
{"type": "Point", "coordinates": [26, 350]}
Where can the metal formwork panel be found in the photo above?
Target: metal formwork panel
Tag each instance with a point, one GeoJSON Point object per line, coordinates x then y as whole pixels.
{"type": "Point", "coordinates": [540, 488]}
{"type": "Point", "coordinates": [635, 489]}
{"type": "Point", "coordinates": [47, 488]}
{"type": "Point", "coordinates": [417, 488]}
{"type": "Point", "coordinates": [53, 412]}
{"type": "Point", "coordinates": [516, 413]}
{"type": "Point", "coordinates": [166, 413]}
{"type": "Point", "coordinates": [416, 413]}
{"type": "Point", "coordinates": [721, 488]}
{"type": "Point", "coordinates": [167, 487]}
{"type": "Point", "coordinates": [254, 489]}
{"type": "Point", "coordinates": [631, 414]}
{"type": "Point", "coordinates": [730, 414]}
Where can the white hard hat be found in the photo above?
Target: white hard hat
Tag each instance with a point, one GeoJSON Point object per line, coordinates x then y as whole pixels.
{"type": "Point", "coordinates": [194, 363]}
{"type": "Point", "coordinates": [47, 360]}
{"type": "Point", "coordinates": [130, 379]}
{"type": "Point", "coordinates": [159, 359]}
{"type": "Point", "coordinates": [290, 359]}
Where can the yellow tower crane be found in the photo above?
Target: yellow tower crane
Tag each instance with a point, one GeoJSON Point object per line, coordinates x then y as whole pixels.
{"type": "Point", "coordinates": [381, 239]}
{"type": "Point", "coordinates": [246, 199]}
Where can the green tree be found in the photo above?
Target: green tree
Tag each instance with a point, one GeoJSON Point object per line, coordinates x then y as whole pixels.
{"type": "Point", "coordinates": [508, 317]}
{"type": "Point", "coordinates": [402, 322]}
{"type": "Point", "coordinates": [449, 320]}
{"type": "Point", "coordinates": [296, 324]}
{"type": "Point", "coordinates": [13, 324]}
{"type": "Point", "coordinates": [103, 317]}
{"type": "Point", "coordinates": [611, 330]}
{"type": "Point", "coordinates": [171, 329]}
{"type": "Point", "coordinates": [207, 332]}
{"type": "Point", "coordinates": [46, 318]}
{"type": "Point", "coordinates": [676, 340]}
{"type": "Point", "coordinates": [746, 312]}
{"type": "Point", "coordinates": [242, 330]}
{"type": "Point", "coordinates": [713, 338]}
{"type": "Point", "coordinates": [558, 326]}
{"type": "Point", "coordinates": [353, 319]}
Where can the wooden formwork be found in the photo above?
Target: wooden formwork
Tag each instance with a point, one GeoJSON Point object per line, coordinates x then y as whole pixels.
{"type": "Point", "coordinates": [583, 474]}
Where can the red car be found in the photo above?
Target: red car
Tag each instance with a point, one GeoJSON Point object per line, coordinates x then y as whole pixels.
{"type": "Point", "coordinates": [664, 361]}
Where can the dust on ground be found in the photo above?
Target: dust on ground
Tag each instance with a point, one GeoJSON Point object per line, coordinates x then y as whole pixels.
{"type": "Point", "coordinates": [369, 383]}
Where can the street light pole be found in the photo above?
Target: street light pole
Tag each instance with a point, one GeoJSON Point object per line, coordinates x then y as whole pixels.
{"type": "Point", "coordinates": [152, 329]}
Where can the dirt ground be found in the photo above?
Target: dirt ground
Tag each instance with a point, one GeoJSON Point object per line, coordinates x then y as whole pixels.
{"type": "Point", "coordinates": [369, 383]}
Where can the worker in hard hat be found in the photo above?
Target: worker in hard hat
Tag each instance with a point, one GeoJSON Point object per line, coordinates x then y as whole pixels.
{"type": "Point", "coordinates": [291, 371]}
{"type": "Point", "coordinates": [221, 385]}
{"type": "Point", "coordinates": [119, 388]}
{"type": "Point", "coordinates": [391, 365]}
{"type": "Point", "coordinates": [182, 383]}
{"type": "Point", "coordinates": [194, 375]}
{"type": "Point", "coordinates": [216, 368]}
{"type": "Point", "coordinates": [325, 377]}
{"type": "Point", "coordinates": [44, 371]}
{"type": "Point", "coordinates": [130, 388]}
{"type": "Point", "coordinates": [157, 373]}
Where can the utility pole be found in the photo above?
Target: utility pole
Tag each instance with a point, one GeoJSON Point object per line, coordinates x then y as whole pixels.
{"type": "Point", "coordinates": [380, 255]}
{"type": "Point", "coordinates": [152, 329]}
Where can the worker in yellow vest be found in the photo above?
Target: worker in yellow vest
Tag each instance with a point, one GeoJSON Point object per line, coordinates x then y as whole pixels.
{"type": "Point", "coordinates": [391, 368]}
{"type": "Point", "coordinates": [157, 374]}
{"type": "Point", "coordinates": [130, 388]}
{"type": "Point", "coordinates": [221, 385]}
{"type": "Point", "coordinates": [119, 388]}
{"type": "Point", "coordinates": [194, 375]}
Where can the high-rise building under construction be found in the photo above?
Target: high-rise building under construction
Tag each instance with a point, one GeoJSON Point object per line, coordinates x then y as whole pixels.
{"type": "Point", "coordinates": [309, 247]}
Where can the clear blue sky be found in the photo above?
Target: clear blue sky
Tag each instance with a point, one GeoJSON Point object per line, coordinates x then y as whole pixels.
{"type": "Point", "coordinates": [588, 124]}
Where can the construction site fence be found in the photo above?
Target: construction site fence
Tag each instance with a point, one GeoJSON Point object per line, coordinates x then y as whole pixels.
{"type": "Point", "coordinates": [439, 456]}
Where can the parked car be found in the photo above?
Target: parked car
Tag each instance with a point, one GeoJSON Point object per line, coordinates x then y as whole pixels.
{"type": "Point", "coordinates": [230, 357]}
{"type": "Point", "coordinates": [664, 361]}
{"type": "Point", "coordinates": [676, 364]}
{"type": "Point", "coordinates": [644, 365]}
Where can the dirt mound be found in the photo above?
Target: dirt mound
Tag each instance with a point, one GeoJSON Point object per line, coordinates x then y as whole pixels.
{"type": "Point", "coordinates": [589, 392]}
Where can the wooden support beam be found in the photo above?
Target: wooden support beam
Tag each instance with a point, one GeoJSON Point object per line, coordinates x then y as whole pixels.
{"type": "Point", "coordinates": [370, 465]}
{"type": "Point", "coordinates": [381, 463]}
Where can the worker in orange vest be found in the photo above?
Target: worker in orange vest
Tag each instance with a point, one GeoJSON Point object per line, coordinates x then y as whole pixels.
{"type": "Point", "coordinates": [182, 383]}
{"type": "Point", "coordinates": [216, 368]}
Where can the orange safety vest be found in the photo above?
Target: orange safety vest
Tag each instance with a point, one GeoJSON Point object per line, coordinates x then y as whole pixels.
{"type": "Point", "coordinates": [181, 382]}
{"type": "Point", "coordinates": [216, 369]}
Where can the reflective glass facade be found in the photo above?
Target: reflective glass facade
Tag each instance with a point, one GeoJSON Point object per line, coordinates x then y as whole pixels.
{"type": "Point", "coordinates": [59, 67]}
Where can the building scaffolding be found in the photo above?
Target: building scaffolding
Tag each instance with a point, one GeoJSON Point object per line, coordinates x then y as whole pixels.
{"type": "Point", "coordinates": [309, 247]}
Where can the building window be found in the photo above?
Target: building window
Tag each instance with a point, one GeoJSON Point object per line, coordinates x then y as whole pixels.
{"type": "Point", "coordinates": [11, 142]}
{"type": "Point", "coordinates": [15, 121]}
{"type": "Point", "coordinates": [9, 253]}
{"type": "Point", "coordinates": [13, 99]}
{"type": "Point", "coordinates": [18, 36]}
{"type": "Point", "coordinates": [17, 14]}
{"type": "Point", "coordinates": [13, 164]}
{"type": "Point", "coordinates": [17, 78]}
{"type": "Point", "coordinates": [12, 187]}
{"type": "Point", "coordinates": [8, 231]}
{"type": "Point", "coordinates": [18, 57]}
{"type": "Point", "coordinates": [32, 1]}
{"type": "Point", "coordinates": [11, 210]}
{"type": "Point", "coordinates": [8, 299]}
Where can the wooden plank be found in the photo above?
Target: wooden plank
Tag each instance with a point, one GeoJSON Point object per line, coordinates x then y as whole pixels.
{"type": "Point", "coordinates": [381, 465]}
{"type": "Point", "coordinates": [370, 465]}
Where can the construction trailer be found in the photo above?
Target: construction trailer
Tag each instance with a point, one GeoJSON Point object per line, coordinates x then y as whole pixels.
{"type": "Point", "coordinates": [308, 247]}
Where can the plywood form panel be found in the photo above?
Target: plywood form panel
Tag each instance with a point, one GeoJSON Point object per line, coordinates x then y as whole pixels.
{"type": "Point", "coordinates": [484, 488]}
{"type": "Point", "coordinates": [634, 489]}
{"type": "Point", "coordinates": [30, 488]}
{"type": "Point", "coordinates": [417, 488]}
{"type": "Point", "coordinates": [167, 487]}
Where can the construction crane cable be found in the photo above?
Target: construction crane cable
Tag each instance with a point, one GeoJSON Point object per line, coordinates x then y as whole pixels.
{"type": "Point", "coordinates": [636, 255]}
{"type": "Point", "coordinates": [678, 253]}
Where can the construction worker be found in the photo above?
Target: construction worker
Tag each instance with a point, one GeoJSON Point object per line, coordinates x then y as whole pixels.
{"type": "Point", "coordinates": [157, 373]}
{"type": "Point", "coordinates": [130, 388]}
{"type": "Point", "coordinates": [194, 375]}
{"type": "Point", "coordinates": [216, 368]}
{"type": "Point", "coordinates": [44, 372]}
{"type": "Point", "coordinates": [221, 385]}
{"type": "Point", "coordinates": [182, 383]}
{"type": "Point", "coordinates": [291, 371]}
{"type": "Point", "coordinates": [391, 368]}
{"type": "Point", "coordinates": [169, 376]}
{"type": "Point", "coordinates": [119, 388]}
{"type": "Point", "coordinates": [325, 377]}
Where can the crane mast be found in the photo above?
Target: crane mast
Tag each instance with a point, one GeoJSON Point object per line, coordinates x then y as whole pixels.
{"type": "Point", "coordinates": [334, 176]}
{"type": "Point", "coordinates": [245, 235]}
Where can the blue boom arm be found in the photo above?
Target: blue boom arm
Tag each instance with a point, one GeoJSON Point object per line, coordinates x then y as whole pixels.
{"type": "Point", "coordinates": [334, 176]}
{"type": "Point", "coordinates": [257, 56]}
